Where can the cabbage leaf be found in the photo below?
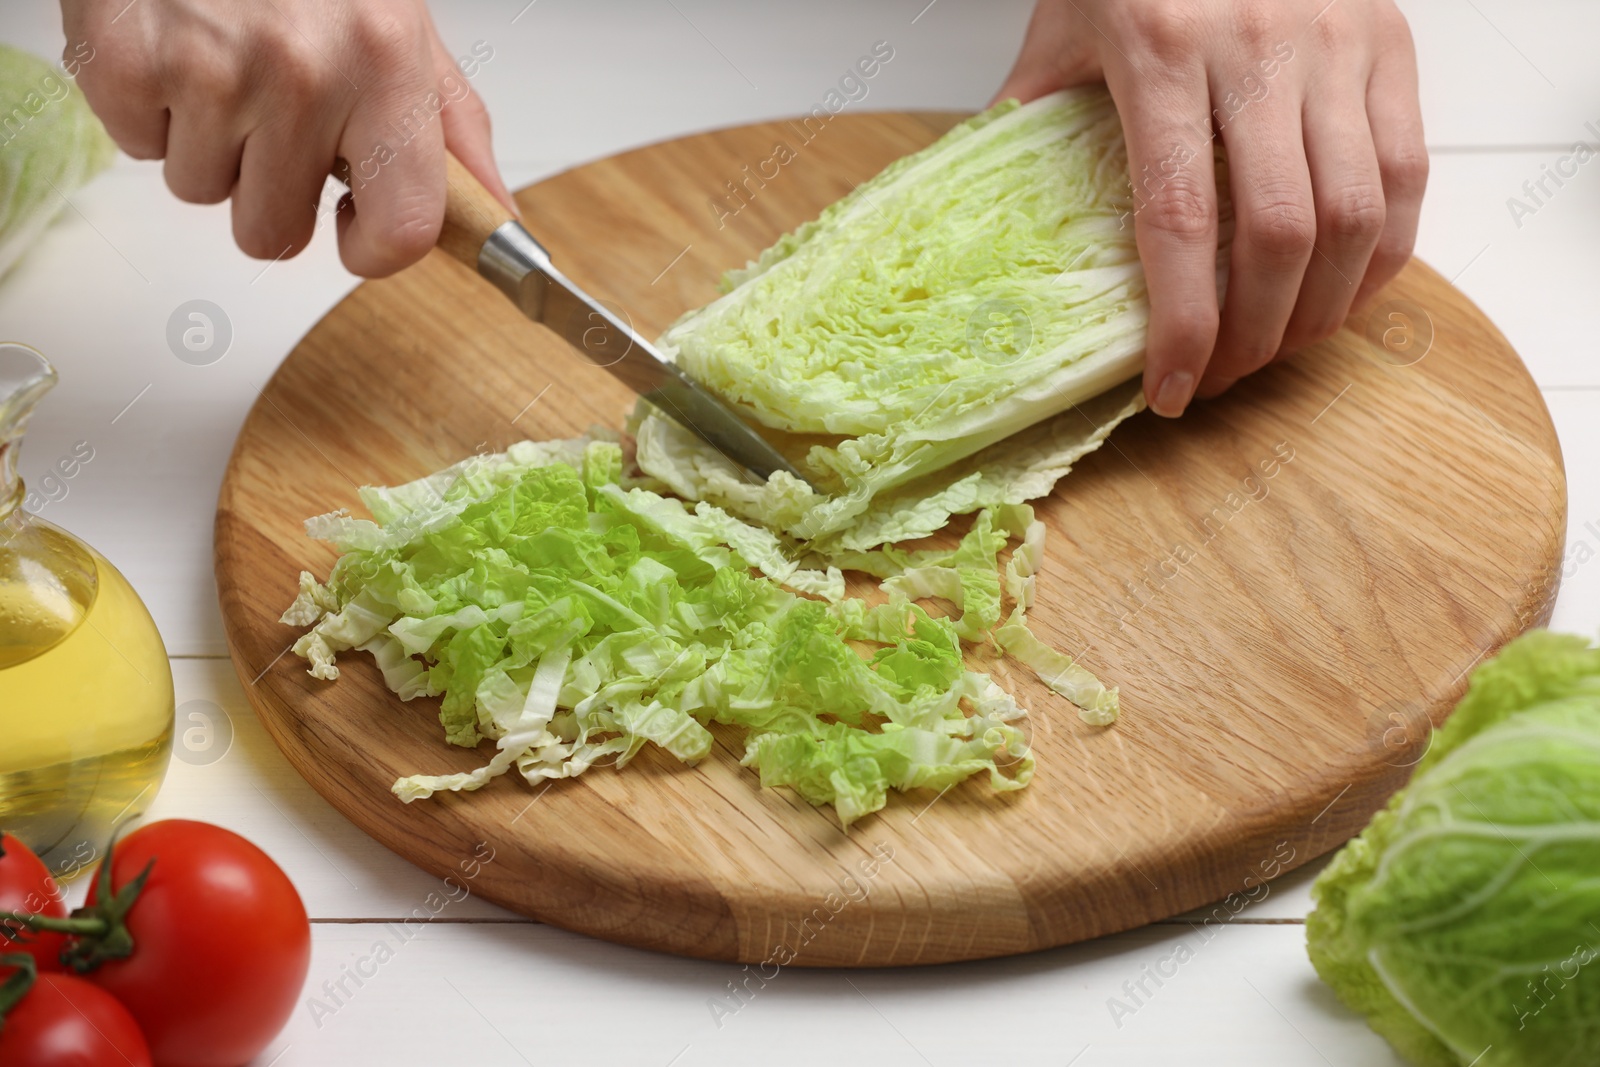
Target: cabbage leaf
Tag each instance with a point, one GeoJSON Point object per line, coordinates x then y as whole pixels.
{"type": "Point", "coordinates": [50, 144]}
{"type": "Point", "coordinates": [572, 619]}
{"type": "Point", "coordinates": [1464, 922]}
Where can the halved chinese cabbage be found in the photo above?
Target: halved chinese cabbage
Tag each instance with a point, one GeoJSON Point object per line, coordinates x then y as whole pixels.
{"type": "Point", "coordinates": [967, 293]}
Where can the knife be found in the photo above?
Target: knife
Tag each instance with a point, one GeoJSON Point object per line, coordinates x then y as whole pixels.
{"type": "Point", "coordinates": [483, 235]}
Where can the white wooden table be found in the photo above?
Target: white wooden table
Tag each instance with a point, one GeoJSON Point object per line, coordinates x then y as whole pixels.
{"type": "Point", "coordinates": [1507, 86]}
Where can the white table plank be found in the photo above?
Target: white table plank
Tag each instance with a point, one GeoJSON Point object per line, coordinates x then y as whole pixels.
{"type": "Point", "coordinates": [247, 786]}
{"type": "Point", "coordinates": [1577, 419]}
{"type": "Point", "coordinates": [95, 297]}
{"type": "Point", "coordinates": [1535, 280]}
{"type": "Point", "coordinates": [1506, 72]}
{"type": "Point", "coordinates": [492, 995]}
{"type": "Point", "coordinates": [595, 78]}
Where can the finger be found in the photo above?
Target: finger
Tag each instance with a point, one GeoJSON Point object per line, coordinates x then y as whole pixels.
{"type": "Point", "coordinates": [1054, 56]}
{"type": "Point", "coordinates": [120, 80]}
{"type": "Point", "coordinates": [466, 126]}
{"type": "Point", "coordinates": [1395, 115]}
{"type": "Point", "coordinates": [282, 170]}
{"type": "Point", "coordinates": [204, 141]}
{"type": "Point", "coordinates": [1170, 163]}
{"type": "Point", "coordinates": [141, 132]}
{"type": "Point", "coordinates": [1347, 192]}
{"type": "Point", "coordinates": [1274, 226]}
{"type": "Point", "coordinates": [394, 143]}
{"type": "Point", "coordinates": [290, 144]}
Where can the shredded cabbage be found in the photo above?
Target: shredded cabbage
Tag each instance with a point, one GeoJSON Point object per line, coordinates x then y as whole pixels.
{"type": "Point", "coordinates": [572, 619]}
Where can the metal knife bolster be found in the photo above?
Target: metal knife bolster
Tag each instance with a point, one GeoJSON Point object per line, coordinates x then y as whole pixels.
{"type": "Point", "coordinates": [520, 267]}
{"type": "Point", "coordinates": [509, 255]}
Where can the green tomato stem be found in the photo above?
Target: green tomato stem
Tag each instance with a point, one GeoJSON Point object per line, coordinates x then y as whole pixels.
{"type": "Point", "coordinates": [87, 927]}
{"type": "Point", "coordinates": [14, 988]}
{"type": "Point", "coordinates": [105, 935]}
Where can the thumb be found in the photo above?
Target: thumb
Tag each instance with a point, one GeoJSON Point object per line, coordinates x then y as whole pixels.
{"type": "Point", "coordinates": [465, 122]}
{"type": "Point", "coordinates": [1059, 51]}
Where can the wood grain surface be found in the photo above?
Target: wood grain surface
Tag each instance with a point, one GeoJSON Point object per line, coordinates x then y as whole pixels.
{"type": "Point", "coordinates": [1288, 584]}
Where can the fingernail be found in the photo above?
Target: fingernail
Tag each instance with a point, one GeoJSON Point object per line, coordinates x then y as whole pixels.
{"type": "Point", "coordinates": [1172, 396]}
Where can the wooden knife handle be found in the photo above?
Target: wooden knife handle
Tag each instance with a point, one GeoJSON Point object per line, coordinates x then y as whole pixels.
{"type": "Point", "coordinates": [471, 213]}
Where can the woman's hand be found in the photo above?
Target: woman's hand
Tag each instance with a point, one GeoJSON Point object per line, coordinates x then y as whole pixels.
{"type": "Point", "coordinates": [255, 101]}
{"type": "Point", "coordinates": [1316, 102]}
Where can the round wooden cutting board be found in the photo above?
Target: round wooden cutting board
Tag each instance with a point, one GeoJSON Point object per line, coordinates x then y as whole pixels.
{"type": "Point", "coordinates": [1288, 584]}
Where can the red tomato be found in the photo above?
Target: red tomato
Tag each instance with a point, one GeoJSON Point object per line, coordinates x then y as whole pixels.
{"type": "Point", "coordinates": [26, 886]}
{"type": "Point", "coordinates": [221, 944]}
{"type": "Point", "coordinates": [67, 1022]}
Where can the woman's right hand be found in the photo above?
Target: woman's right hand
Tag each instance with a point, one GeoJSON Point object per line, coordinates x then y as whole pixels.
{"type": "Point", "coordinates": [254, 102]}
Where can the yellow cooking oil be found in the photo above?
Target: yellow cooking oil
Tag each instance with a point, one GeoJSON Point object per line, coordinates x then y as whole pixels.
{"type": "Point", "coordinates": [86, 703]}
{"type": "Point", "coordinates": [85, 698]}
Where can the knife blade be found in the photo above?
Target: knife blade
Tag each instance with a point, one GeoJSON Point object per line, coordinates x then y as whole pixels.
{"type": "Point", "coordinates": [481, 234]}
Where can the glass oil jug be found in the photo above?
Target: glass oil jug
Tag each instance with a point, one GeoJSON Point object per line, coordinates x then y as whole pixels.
{"type": "Point", "coordinates": [85, 687]}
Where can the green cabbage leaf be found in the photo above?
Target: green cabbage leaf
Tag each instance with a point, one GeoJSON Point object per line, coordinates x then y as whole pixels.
{"type": "Point", "coordinates": [1464, 922]}
{"type": "Point", "coordinates": [50, 144]}
{"type": "Point", "coordinates": [572, 620]}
